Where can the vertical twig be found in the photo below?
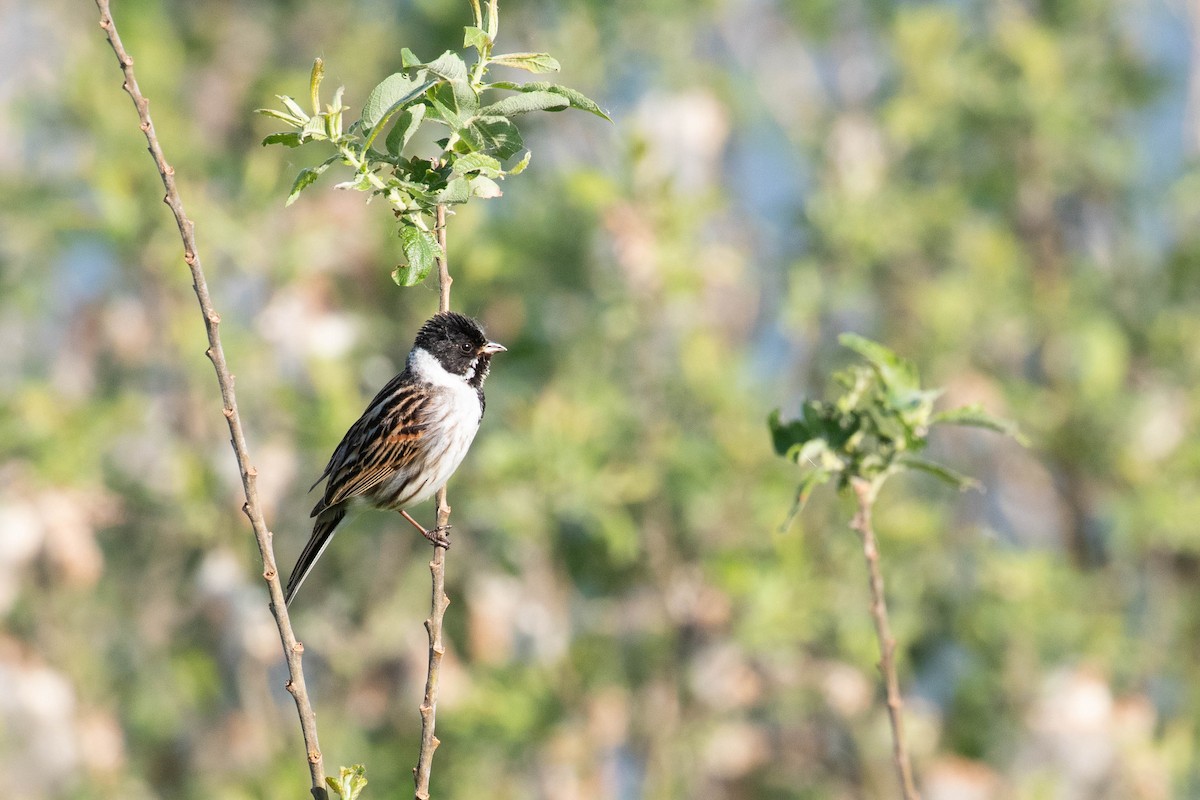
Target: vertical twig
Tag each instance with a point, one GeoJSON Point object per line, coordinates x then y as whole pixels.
{"type": "Point", "coordinates": [293, 649]}
{"type": "Point", "coordinates": [437, 568]}
{"type": "Point", "coordinates": [864, 491]}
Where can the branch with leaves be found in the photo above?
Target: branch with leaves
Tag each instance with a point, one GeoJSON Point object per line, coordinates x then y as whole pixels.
{"type": "Point", "coordinates": [477, 143]}
{"type": "Point", "coordinates": [876, 428]}
{"type": "Point", "coordinates": [475, 116]}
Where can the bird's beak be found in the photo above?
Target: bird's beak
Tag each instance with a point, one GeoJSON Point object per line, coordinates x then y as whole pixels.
{"type": "Point", "coordinates": [492, 347]}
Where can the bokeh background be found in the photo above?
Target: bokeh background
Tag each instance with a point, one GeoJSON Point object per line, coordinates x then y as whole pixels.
{"type": "Point", "coordinates": [1005, 192]}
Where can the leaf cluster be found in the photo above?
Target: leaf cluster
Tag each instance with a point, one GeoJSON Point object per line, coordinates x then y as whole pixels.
{"type": "Point", "coordinates": [349, 783]}
{"type": "Point", "coordinates": [478, 139]}
{"type": "Point", "coordinates": [876, 427]}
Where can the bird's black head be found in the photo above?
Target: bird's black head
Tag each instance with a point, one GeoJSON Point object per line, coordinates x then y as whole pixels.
{"type": "Point", "coordinates": [459, 345]}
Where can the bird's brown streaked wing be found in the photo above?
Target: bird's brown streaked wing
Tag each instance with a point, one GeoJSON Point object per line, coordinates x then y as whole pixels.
{"type": "Point", "coordinates": [383, 445]}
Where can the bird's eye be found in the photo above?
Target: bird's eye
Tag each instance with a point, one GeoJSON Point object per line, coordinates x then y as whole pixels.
{"type": "Point", "coordinates": [465, 347]}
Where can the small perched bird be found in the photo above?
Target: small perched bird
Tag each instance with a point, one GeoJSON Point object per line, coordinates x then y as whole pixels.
{"type": "Point", "coordinates": [411, 438]}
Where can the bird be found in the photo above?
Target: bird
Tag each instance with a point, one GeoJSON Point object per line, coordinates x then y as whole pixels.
{"type": "Point", "coordinates": [411, 437]}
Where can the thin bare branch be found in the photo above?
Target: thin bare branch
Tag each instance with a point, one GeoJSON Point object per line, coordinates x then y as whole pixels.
{"type": "Point", "coordinates": [864, 491]}
{"type": "Point", "coordinates": [293, 650]}
{"type": "Point", "coordinates": [437, 569]}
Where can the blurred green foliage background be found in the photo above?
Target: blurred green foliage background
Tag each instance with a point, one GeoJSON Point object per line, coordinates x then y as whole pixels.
{"type": "Point", "coordinates": [1004, 192]}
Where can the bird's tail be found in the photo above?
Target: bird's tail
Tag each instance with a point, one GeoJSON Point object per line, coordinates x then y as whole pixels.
{"type": "Point", "coordinates": [322, 535]}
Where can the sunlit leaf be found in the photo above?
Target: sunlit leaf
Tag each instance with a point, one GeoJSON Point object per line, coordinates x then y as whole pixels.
{"type": "Point", "coordinates": [485, 188]}
{"type": "Point", "coordinates": [289, 139]}
{"type": "Point", "coordinates": [349, 783]}
{"type": "Point", "coordinates": [408, 59]}
{"type": "Point", "coordinates": [526, 102]}
{"type": "Point", "coordinates": [279, 115]}
{"type": "Point", "coordinates": [448, 65]}
{"type": "Point", "coordinates": [530, 62]}
{"type": "Point", "coordinates": [406, 125]}
{"type": "Point", "coordinates": [575, 98]}
{"type": "Point", "coordinates": [808, 483]}
{"type": "Point", "coordinates": [458, 190]}
{"type": "Point", "coordinates": [520, 166]}
{"type": "Point", "coordinates": [293, 107]}
{"type": "Point", "coordinates": [476, 37]}
{"type": "Point", "coordinates": [421, 251]}
{"type": "Point", "coordinates": [477, 162]}
{"type": "Point", "coordinates": [974, 416]}
{"type": "Point", "coordinates": [493, 135]}
{"type": "Point", "coordinates": [940, 471]}
{"type": "Point", "coordinates": [307, 177]}
{"type": "Point", "coordinates": [898, 374]}
{"type": "Point", "coordinates": [393, 93]}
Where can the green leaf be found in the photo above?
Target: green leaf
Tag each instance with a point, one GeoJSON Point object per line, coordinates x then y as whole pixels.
{"type": "Point", "coordinates": [804, 491]}
{"type": "Point", "coordinates": [477, 162]}
{"type": "Point", "coordinates": [313, 128]}
{"type": "Point", "coordinates": [493, 135]}
{"type": "Point", "coordinates": [445, 107]}
{"type": "Point", "coordinates": [361, 182]}
{"type": "Point", "coordinates": [575, 98]}
{"type": "Point", "coordinates": [530, 62]}
{"type": "Point", "coordinates": [349, 783]}
{"type": "Point", "coordinates": [421, 250]}
{"type": "Point", "coordinates": [306, 178]}
{"type": "Point", "coordinates": [290, 139]}
{"type": "Point", "coordinates": [944, 473]}
{"type": "Point", "coordinates": [526, 102]}
{"type": "Point", "coordinates": [448, 65]}
{"type": "Point", "coordinates": [784, 435]}
{"type": "Point", "coordinates": [392, 93]}
{"type": "Point", "coordinates": [485, 188]}
{"type": "Point", "coordinates": [314, 84]}
{"type": "Point", "coordinates": [408, 59]}
{"type": "Point", "coordinates": [898, 374]}
{"type": "Point", "coordinates": [476, 37]}
{"type": "Point", "coordinates": [457, 190]}
{"type": "Point", "coordinates": [406, 125]}
{"type": "Point", "coordinates": [974, 416]}
{"type": "Point", "coordinates": [522, 164]}
{"type": "Point", "coordinates": [279, 115]}
{"type": "Point", "coordinates": [293, 107]}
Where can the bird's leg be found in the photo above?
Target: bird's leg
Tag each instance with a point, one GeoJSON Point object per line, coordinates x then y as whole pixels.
{"type": "Point", "coordinates": [438, 536]}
